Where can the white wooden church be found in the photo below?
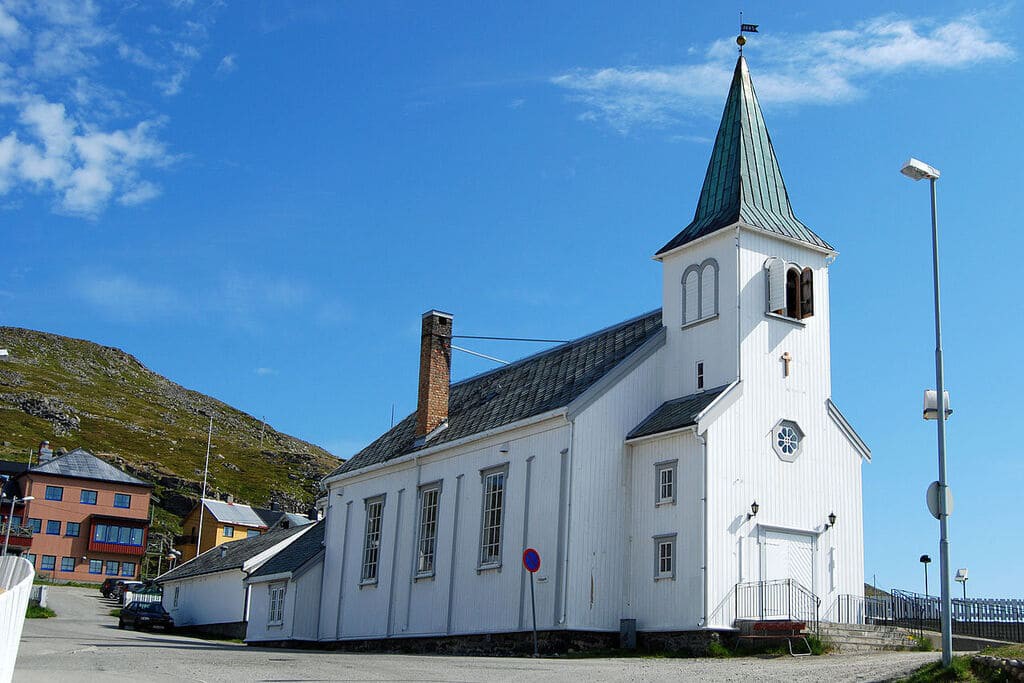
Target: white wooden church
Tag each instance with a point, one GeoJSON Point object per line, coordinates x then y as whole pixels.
{"type": "Point", "coordinates": [669, 469]}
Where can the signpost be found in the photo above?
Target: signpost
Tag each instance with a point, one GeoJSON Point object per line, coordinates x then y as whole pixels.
{"type": "Point", "coordinates": [531, 563]}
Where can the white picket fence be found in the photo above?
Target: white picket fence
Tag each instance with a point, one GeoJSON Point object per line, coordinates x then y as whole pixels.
{"type": "Point", "coordinates": [16, 575]}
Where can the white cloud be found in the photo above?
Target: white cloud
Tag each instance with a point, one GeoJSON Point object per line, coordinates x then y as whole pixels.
{"type": "Point", "coordinates": [227, 65]}
{"type": "Point", "coordinates": [263, 372]}
{"type": "Point", "coordinates": [821, 68]}
{"type": "Point", "coordinates": [63, 132]}
{"type": "Point", "coordinates": [124, 298]}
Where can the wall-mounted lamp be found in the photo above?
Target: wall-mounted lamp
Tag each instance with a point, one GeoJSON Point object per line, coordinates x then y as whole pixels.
{"type": "Point", "coordinates": [754, 507]}
{"type": "Point", "coordinates": [503, 448]}
{"type": "Point", "coordinates": [831, 519]}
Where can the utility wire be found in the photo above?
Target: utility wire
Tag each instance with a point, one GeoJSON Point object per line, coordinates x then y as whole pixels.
{"type": "Point", "coordinates": [522, 339]}
{"type": "Point", "coordinates": [481, 355]}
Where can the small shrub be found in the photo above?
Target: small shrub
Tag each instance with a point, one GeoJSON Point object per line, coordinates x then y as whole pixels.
{"type": "Point", "coordinates": [37, 612]}
{"type": "Point", "coordinates": [922, 644]}
{"type": "Point", "coordinates": [716, 649]}
{"type": "Point", "coordinates": [818, 645]}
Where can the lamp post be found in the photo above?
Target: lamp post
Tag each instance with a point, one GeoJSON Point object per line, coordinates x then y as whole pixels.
{"type": "Point", "coordinates": [918, 170]}
{"type": "Point", "coordinates": [961, 578]}
{"type": "Point", "coordinates": [925, 560]}
{"type": "Point", "coordinates": [14, 500]}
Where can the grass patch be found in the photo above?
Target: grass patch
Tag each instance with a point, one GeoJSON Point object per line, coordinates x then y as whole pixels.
{"type": "Point", "coordinates": [37, 612]}
{"type": "Point", "coordinates": [1007, 651]}
{"type": "Point", "coordinates": [115, 612]}
{"type": "Point", "coordinates": [922, 644]}
{"type": "Point", "coordinates": [718, 651]}
{"type": "Point", "coordinates": [47, 580]}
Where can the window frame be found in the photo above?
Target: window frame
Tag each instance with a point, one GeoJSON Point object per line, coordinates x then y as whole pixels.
{"type": "Point", "coordinates": [801, 290]}
{"type": "Point", "coordinates": [82, 497]}
{"type": "Point", "coordinates": [666, 466]}
{"type": "Point", "coordinates": [63, 563]}
{"type": "Point", "coordinates": [35, 524]}
{"type": "Point", "coordinates": [699, 374]}
{"type": "Point", "coordinates": [369, 572]}
{"type": "Point", "coordinates": [276, 593]}
{"type": "Point", "coordinates": [127, 496]}
{"type": "Point", "coordinates": [177, 592]}
{"type": "Point", "coordinates": [50, 525]}
{"type": "Point", "coordinates": [117, 568]}
{"type": "Point", "coordinates": [661, 540]}
{"type": "Point", "coordinates": [31, 557]}
{"type": "Point", "coordinates": [128, 564]}
{"type": "Point", "coordinates": [99, 566]}
{"type": "Point", "coordinates": [229, 531]}
{"type": "Point", "coordinates": [425, 491]}
{"type": "Point", "coordinates": [485, 564]}
{"type": "Point", "coordinates": [42, 563]}
{"type": "Point", "coordinates": [699, 269]}
{"type": "Point", "coordinates": [76, 525]}
{"type": "Point", "coordinates": [58, 493]}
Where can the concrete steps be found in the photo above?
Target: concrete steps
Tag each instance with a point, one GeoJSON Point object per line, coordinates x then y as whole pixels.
{"type": "Point", "coordinates": [848, 638]}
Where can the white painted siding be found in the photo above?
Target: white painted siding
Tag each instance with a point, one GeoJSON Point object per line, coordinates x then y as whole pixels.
{"type": "Point", "coordinates": [458, 598]}
{"type": "Point", "coordinates": [218, 598]}
{"type": "Point", "coordinates": [674, 604]}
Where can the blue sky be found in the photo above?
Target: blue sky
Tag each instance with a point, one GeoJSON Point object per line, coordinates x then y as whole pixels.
{"type": "Point", "coordinates": [259, 199]}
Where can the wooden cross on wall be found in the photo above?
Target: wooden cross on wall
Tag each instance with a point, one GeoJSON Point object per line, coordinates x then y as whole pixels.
{"type": "Point", "coordinates": [786, 360]}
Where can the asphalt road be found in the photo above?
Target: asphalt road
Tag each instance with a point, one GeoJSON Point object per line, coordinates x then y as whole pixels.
{"type": "Point", "coordinates": [83, 644]}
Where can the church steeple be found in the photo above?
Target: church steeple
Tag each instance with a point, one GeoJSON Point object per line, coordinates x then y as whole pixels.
{"type": "Point", "coordinates": [743, 181]}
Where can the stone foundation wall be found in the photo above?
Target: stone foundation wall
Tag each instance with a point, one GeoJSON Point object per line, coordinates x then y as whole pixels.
{"type": "Point", "coordinates": [234, 629]}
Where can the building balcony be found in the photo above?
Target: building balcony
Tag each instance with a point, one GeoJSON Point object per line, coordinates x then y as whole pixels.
{"type": "Point", "coordinates": [20, 536]}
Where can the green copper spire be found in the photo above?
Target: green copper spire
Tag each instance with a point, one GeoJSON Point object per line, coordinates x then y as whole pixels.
{"type": "Point", "coordinates": [743, 182]}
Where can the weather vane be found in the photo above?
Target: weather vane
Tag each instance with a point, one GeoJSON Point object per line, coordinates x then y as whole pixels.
{"type": "Point", "coordinates": [744, 28]}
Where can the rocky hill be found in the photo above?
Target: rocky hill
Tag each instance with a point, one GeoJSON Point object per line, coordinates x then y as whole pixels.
{"type": "Point", "coordinates": [77, 393]}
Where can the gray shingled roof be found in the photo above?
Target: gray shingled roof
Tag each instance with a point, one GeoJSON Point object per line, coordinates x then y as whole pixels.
{"type": "Point", "coordinates": [296, 554]}
{"type": "Point", "coordinates": [531, 386]}
{"type": "Point", "coordinates": [743, 181]}
{"type": "Point", "coordinates": [231, 555]}
{"type": "Point", "coordinates": [81, 464]}
{"type": "Point", "coordinates": [676, 414]}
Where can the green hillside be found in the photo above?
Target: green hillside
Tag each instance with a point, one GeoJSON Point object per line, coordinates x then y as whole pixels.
{"type": "Point", "coordinates": [76, 393]}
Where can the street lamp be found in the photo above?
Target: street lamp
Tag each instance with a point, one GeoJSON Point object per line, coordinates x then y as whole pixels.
{"type": "Point", "coordinates": [14, 500]}
{"type": "Point", "coordinates": [918, 170]}
{"type": "Point", "coordinates": [925, 560]}
{"type": "Point", "coordinates": [961, 577]}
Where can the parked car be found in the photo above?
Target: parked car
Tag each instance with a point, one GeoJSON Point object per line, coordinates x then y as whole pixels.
{"type": "Point", "coordinates": [115, 592]}
{"type": "Point", "coordinates": [143, 615]}
{"type": "Point", "coordinates": [129, 588]}
{"type": "Point", "coordinates": [107, 587]}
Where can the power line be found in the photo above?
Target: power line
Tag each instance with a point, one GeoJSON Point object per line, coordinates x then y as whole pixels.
{"type": "Point", "coordinates": [521, 339]}
{"type": "Point", "coordinates": [481, 355]}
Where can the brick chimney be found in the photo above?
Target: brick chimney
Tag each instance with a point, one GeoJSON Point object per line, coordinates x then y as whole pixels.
{"type": "Point", "coordinates": [435, 372]}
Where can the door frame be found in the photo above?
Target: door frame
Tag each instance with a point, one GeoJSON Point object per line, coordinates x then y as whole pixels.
{"type": "Point", "coordinates": [813, 534]}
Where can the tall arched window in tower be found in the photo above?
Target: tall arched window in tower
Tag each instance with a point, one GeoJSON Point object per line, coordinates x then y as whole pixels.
{"type": "Point", "coordinates": [789, 289]}
{"type": "Point", "coordinates": [700, 291]}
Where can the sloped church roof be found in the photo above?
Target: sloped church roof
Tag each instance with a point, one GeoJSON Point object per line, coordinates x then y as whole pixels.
{"type": "Point", "coordinates": [743, 182]}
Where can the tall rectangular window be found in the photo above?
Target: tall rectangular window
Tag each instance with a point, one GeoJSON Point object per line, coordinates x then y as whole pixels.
{"type": "Point", "coordinates": [425, 553]}
{"type": "Point", "coordinates": [87, 497]}
{"type": "Point", "coordinates": [112, 567]}
{"type": "Point", "coordinates": [177, 592]}
{"type": "Point", "coordinates": [229, 532]}
{"type": "Point", "coordinates": [665, 556]}
{"type": "Point", "coordinates": [371, 539]}
{"type": "Point", "coordinates": [54, 493]}
{"type": "Point", "coordinates": [53, 527]}
{"type": "Point", "coordinates": [67, 564]}
{"type": "Point", "coordinates": [665, 482]}
{"type": "Point", "coordinates": [31, 558]}
{"type": "Point", "coordinates": [95, 566]}
{"type": "Point", "coordinates": [72, 529]}
{"type": "Point", "coordinates": [700, 374]}
{"type": "Point", "coordinates": [122, 500]}
{"type": "Point", "coordinates": [128, 569]}
{"type": "Point", "coordinates": [48, 562]}
{"type": "Point", "coordinates": [275, 613]}
{"type": "Point", "coordinates": [492, 515]}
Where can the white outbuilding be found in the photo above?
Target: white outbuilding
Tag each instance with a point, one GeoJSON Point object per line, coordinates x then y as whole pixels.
{"type": "Point", "coordinates": [679, 472]}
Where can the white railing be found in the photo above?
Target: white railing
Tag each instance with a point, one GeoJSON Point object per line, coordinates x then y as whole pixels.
{"type": "Point", "coordinates": [16, 575]}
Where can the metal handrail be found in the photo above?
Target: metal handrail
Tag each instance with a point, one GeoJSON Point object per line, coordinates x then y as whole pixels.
{"type": "Point", "coordinates": [777, 599]}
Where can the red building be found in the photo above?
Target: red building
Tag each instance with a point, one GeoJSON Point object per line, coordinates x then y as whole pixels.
{"type": "Point", "coordinates": [88, 519]}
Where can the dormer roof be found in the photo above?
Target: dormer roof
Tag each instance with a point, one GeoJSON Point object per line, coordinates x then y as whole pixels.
{"type": "Point", "coordinates": [743, 183]}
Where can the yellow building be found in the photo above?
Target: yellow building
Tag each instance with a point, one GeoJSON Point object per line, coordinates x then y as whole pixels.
{"type": "Point", "coordinates": [222, 522]}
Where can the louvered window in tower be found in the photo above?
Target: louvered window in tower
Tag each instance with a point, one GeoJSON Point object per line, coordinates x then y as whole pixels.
{"type": "Point", "coordinates": [789, 289]}
{"type": "Point", "coordinates": [700, 292]}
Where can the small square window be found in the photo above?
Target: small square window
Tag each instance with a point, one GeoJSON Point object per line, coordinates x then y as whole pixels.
{"type": "Point", "coordinates": [665, 482]}
{"type": "Point", "coordinates": [54, 493]}
{"type": "Point", "coordinates": [122, 500]}
{"type": "Point", "coordinates": [128, 569]}
{"type": "Point", "coordinates": [87, 497]}
{"type": "Point", "coordinates": [31, 558]}
{"type": "Point", "coordinates": [36, 525]}
{"type": "Point", "coordinates": [95, 566]}
{"type": "Point", "coordinates": [53, 527]}
{"type": "Point", "coordinates": [48, 562]}
{"type": "Point", "coordinates": [72, 529]}
{"type": "Point", "coordinates": [665, 557]}
{"type": "Point", "coordinates": [229, 532]}
{"type": "Point", "coordinates": [113, 567]}
{"type": "Point", "coordinates": [67, 564]}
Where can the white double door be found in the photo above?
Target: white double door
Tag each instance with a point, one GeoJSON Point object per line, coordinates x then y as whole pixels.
{"type": "Point", "coordinates": [788, 555]}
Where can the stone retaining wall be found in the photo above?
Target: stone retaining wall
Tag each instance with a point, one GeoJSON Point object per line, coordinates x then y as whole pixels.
{"type": "Point", "coordinates": [1013, 668]}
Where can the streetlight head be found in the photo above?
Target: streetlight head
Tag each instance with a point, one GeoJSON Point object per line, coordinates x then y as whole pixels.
{"type": "Point", "coordinates": [925, 559]}
{"type": "Point", "coordinates": [27, 499]}
{"type": "Point", "coordinates": [961, 574]}
{"type": "Point", "coordinates": [832, 519]}
{"type": "Point", "coordinates": [918, 170]}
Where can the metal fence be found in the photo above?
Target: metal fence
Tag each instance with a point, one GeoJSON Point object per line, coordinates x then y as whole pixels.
{"type": "Point", "coordinates": [780, 599]}
{"type": "Point", "coordinates": [996, 619]}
